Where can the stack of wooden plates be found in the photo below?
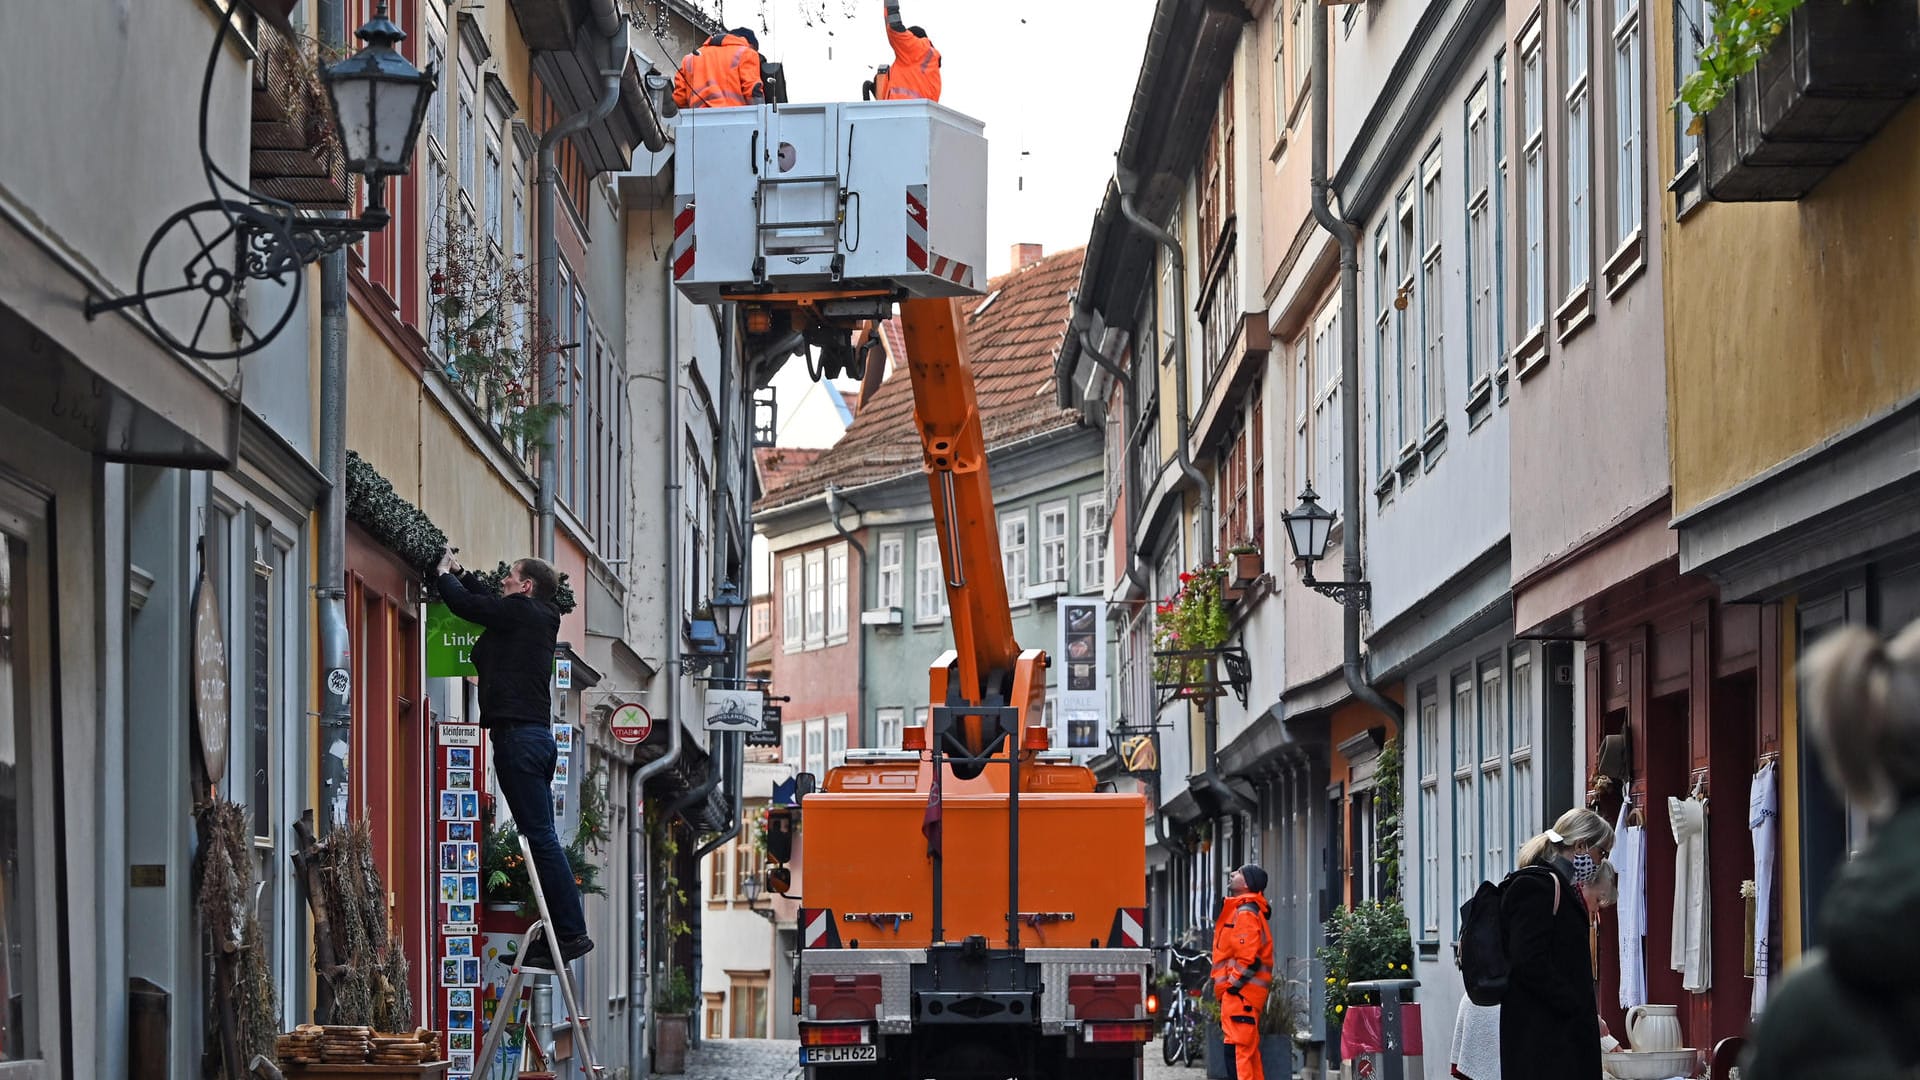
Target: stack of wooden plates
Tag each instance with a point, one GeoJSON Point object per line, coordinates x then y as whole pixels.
{"type": "Point", "coordinates": [342, 1045]}
{"type": "Point", "coordinates": [302, 1045]}
{"type": "Point", "coordinates": [407, 1049]}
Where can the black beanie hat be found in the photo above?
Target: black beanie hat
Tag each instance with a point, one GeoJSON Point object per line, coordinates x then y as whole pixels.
{"type": "Point", "coordinates": [1255, 878]}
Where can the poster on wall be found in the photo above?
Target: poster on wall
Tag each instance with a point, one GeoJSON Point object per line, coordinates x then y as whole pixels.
{"type": "Point", "coordinates": [1081, 656]}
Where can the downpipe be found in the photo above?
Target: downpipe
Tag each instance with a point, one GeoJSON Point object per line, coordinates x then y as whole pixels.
{"type": "Point", "coordinates": [548, 197]}
{"type": "Point", "coordinates": [1344, 234]}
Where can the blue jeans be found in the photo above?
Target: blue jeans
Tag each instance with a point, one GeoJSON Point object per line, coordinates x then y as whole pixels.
{"type": "Point", "coordinates": [523, 760]}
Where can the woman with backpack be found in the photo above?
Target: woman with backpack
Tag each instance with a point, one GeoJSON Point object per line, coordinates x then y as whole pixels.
{"type": "Point", "coordinates": [1851, 1009]}
{"type": "Point", "coordinates": [1549, 1028]}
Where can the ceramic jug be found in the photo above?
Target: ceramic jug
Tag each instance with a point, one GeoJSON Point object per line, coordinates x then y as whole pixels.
{"type": "Point", "coordinates": [1654, 1027]}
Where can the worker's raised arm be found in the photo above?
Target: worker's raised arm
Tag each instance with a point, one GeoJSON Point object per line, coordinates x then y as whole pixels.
{"type": "Point", "coordinates": [894, 22]}
{"type": "Point", "coordinates": [908, 47]}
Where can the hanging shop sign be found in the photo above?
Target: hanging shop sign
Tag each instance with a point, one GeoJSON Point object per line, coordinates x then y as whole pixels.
{"type": "Point", "coordinates": [630, 723]}
{"type": "Point", "coordinates": [450, 641]}
{"type": "Point", "coordinates": [210, 691]}
{"type": "Point", "coordinates": [734, 710]}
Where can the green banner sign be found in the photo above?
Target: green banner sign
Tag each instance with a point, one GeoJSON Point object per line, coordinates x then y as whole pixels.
{"type": "Point", "coordinates": [450, 641]}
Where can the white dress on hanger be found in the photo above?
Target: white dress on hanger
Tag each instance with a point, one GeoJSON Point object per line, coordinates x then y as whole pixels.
{"type": "Point", "coordinates": [1690, 954]}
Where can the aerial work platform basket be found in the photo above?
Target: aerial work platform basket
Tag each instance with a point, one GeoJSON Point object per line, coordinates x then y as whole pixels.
{"type": "Point", "coordinates": [835, 198]}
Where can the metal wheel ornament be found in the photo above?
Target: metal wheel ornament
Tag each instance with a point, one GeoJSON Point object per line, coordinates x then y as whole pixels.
{"type": "Point", "coordinates": [192, 274]}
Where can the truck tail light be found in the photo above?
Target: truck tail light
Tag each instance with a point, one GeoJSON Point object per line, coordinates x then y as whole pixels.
{"type": "Point", "coordinates": [1092, 996]}
{"type": "Point", "coordinates": [1153, 1004]}
{"type": "Point", "coordinates": [817, 930]}
{"type": "Point", "coordinates": [835, 1034]}
{"type": "Point", "coordinates": [1129, 929]}
{"type": "Point", "coordinates": [843, 997]}
{"type": "Point", "coordinates": [1134, 1031]}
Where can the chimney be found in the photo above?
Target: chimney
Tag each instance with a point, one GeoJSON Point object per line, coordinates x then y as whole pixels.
{"type": "Point", "coordinates": [1025, 255]}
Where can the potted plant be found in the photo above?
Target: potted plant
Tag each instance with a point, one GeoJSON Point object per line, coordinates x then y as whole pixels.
{"type": "Point", "coordinates": [506, 881]}
{"type": "Point", "coordinates": [1366, 942]}
{"type": "Point", "coordinates": [1788, 89]}
{"type": "Point", "coordinates": [1187, 627]}
{"type": "Point", "coordinates": [1248, 564]}
{"type": "Point", "coordinates": [670, 1018]}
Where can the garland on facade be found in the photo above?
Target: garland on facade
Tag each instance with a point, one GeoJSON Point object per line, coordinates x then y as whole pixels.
{"type": "Point", "coordinates": [1388, 801]}
{"type": "Point", "coordinates": [405, 530]}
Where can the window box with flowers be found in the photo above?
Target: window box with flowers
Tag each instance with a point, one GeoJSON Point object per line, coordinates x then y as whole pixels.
{"type": "Point", "coordinates": [1189, 628]}
{"type": "Point", "coordinates": [1248, 565]}
{"type": "Point", "coordinates": [1789, 89]}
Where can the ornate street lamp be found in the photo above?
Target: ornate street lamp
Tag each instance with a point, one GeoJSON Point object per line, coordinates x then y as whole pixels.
{"type": "Point", "coordinates": [728, 607]}
{"type": "Point", "coordinates": [200, 258]}
{"type": "Point", "coordinates": [1309, 527]}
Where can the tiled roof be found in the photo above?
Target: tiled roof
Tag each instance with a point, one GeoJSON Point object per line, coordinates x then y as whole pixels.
{"type": "Point", "coordinates": [1013, 332]}
{"type": "Point", "coordinates": [778, 463]}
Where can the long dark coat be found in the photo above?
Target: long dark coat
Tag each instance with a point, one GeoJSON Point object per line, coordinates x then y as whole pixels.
{"type": "Point", "coordinates": [1549, 1024]}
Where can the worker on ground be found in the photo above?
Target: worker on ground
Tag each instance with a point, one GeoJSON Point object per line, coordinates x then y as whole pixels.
{"type": "Point", "coordinates": [915, 71]}
{"type": "Point", "coordinates": [1243, 966]}
{"type": "Point", "coordinates": [723, 72]}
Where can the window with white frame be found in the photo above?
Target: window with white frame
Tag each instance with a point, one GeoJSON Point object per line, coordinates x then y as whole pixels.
{"type": "Point", "coordinates": [1690, 29]}
{"type": "Point", "coordinates": [1429, 772]}
{"type": "Point", "coordinates": [836, 741]}
{"type": "Point", "coordinates": [1407, 257]}
{"type": "Point", "coordinates": [886, 727]}
{"type": "Point", "coordinates": [1326, 407]}
{"type": "Point", "coordinates": [1626, 122]}
{"type": "Point", "coordinates": [1483, 352]}
{"type": "Point", "coordinates": [1093, 545]}
{"type": "Point", "coordinates": [1280, 80]}
{"type": "Point", "coordinates": [790, 746]}
{"type": "Point", "coordinates": [1302, 59]}
{"type": "Point", "coordinates": [1577, 160]}
{"type": "Point", "coordinates": [1493, 776]}
{"type": "Point", "coordinates": [817, 745]}
{"type": "Point", "coordinates": [890, 579]}
{"type": "Point", "coordinates": [1053, 543]}
{"type": "Point", "coordinates": [496, 190]}
{"type": "Point", "coordinates": [837, 591]}
{"type": "Point", "coordinates": [816, 563]}
{"type": "Point", "coordinates": [1533, 180]}
{"type": "Point", "coordinates": [1386, 359]}
{"type": "Point", "coordinates": [1303, 410]}
{"type": "Point", "coordinates": [1499, 261]}
{"type": "Point", "coordinates": [465, 150]}
{"type": "Point", "coordinates": [793, 630]}
{"type": "Point", "coordinates": [930, 586]}
{"type": "Point", "coordinates": [1523, 778]}
{"type": "Point", "coordinates": [1466, 834]}
{"type": "Point", "coordinates": [1433, 306]}
{"type": "Point", "coordinates": [1013, 554]}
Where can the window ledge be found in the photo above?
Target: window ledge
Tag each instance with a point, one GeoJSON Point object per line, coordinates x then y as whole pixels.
{"type": "Point", "coordinates": [1479, 401]}
{"type": "Point", "coordinates": [1436, 434]}
{"type": "Point", "coordinates": [1531, 354]}
{"type": "Point", "coordinates": [1409, 458]}
{"type": "Point", "coordinates": [1627, 264]}
{"type": "Point", "coordinates": [1687, 189]}
{"type": "Point", "coordinates": [1383, 487]}
{"type": "Point", "coordinates": [1575, 313]}
{"type": "Point", "coordinates": [882, 616]}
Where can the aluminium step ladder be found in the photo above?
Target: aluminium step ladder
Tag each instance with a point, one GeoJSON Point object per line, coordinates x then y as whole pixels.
{"type": "Point", "coordinates": [520, 981]}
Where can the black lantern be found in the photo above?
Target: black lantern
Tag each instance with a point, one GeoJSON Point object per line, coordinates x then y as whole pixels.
{"type": "Point", "coordinates": [1308, 527]}
{"type": "Point", "coordinates": [379, 100]}
{"type": "Point", "coordinates": [728, 607]}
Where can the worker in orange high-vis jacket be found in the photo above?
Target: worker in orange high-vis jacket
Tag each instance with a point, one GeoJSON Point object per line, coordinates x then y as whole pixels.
{"type": "Point", "coordinates": [915, 72]}
{"type": "Point", "coordinates": [1243, 965]}
{"type": "Point", "coordinates": [723, 72]}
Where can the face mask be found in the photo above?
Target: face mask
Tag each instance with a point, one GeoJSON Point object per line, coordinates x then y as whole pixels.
{"type": "Point", "coordinates": [1585, 868]}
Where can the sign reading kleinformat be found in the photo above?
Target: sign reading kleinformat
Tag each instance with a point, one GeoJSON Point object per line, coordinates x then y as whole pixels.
{"type": "Point", "coordinates": [734, 710]}
{"type": "Point", "coordinates": [450, 641]}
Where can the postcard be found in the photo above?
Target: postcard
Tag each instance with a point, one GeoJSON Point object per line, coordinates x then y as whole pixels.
{"type": "Point", "coordinates": [470, 888]}
{"type": "Point", "coordinates": [460, 757]}
{"type": "Point", "coordinates": [563, 737]}
{"type": "Point", "coordinates": [449, 888]}
{"type": "Point", "coordinates": [461, 998]}
{"type": "Point", "coordinates": [460, 913]}
{"type": "Point", "coordinates": [461, 1040]}
{"type": "Point", "coordinates": [450, 858]}
{"type": "Point", "coordinates": [459, 830]}
{"type": "Point", "coordinates": [459, 946]}
{"type": "Point", "coordinates": [470, 858]}
{"type": "Point", "coordinates": [450, 806]}
{"type": "Point", "coordinates": [459, 1019]}
{"type": "Point", "coordinates": [460, 779]}
{"type": "Point", "coordinates": [450, 971]}
{"type": "Point", "coordinates": [469, 805]}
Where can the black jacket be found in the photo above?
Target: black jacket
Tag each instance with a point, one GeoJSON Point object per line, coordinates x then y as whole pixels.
{"type": "Point", "coordinates": [1851, 1010]}
{"type": "Point", "coordinates": [1549, 1022]}
{"type": "Point", "coordinates": [514, 655]}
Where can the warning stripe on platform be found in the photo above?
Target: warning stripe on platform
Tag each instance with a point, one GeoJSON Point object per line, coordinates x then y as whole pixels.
{"type": "Point", "coordinates": [684, 243]}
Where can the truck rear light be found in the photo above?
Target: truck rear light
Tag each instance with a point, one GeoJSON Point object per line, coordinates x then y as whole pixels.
{"type": "Point", "coordinates": [1092, 996]}
{"type": "Point", "coordinates": [843, 997]}
{"type": "Point", "coordinates": [841, 1034]}
{"type": "Point", "coordinates": [1129, 929]}
{"type": "Point", "coordinates": [1135, 1031]}
{"type": "Point", "coordinates": [913, 738]}
{"type": "Point", "coordinates": [1153, 1004]}
{"type": "Point", "coordinates": [817, 930]}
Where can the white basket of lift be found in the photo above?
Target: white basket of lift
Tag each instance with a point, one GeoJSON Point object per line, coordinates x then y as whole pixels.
{"type": "Point", "coordinates": [835, 198]}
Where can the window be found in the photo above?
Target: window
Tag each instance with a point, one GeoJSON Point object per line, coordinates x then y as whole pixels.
{"type": "Point", "coordinates": [719, 886]}
{"type": "Point", "coordinates": [887, 724]}
{"type": "Point", "coordinates": [1483, 351]}
{"type": "Point", "coordinates": [837, 591]}
{"type": "Point", "coordinates": [1257, 481]}
{"type": "Point", "coordinates": [889, 580]}
{"type": "Point", "coordinates": [1577, 161]}
{"type": "Point", "coordinates": [1406, 257]}
{"type": "Point", "coordinates": [1303, 410]}
{"type": "Point", "coordinates": [929, 580]}
{"type": "Point", "coordinates": [716, 1015]}
{"type": "Point", "coordinates": [836, 742]}
{"type": "Point", "coordinates": [816, 584]}
{"type": "Point", "coordinates": [1302, 59]}
{"type": "Point", "coordinates": [1053, 543]}
{"type": "Point", "coordinates": [1533, 182]}
{"type": "Point", "coordinates": [1235, 475]}
{"type": "Point", "coordinates": [1093, 545]}
{"type": "Point", "coordinates": [920, 716]}
{"type": "Point", "coordinates": [1326, 407]}
{"type": "Point", "coordinates": [1433, 307]}
{"type": "Point", "coordinates": [790, 747]}
{"type": "Point", "coordinates": [1690, 21]}
{"type": "Point", "coordinates": [496, 184]}
{"type": "Point", "coordinates": [1626, 121]}
{"type": "Point", "coordinates": [1522, 777]}
{"type": "Point", "coordinates": [1493, 779]}
{"type": "Point", "coordinates": [1466, 834]}
{"type": "Point", "coordinates": [1498, 264]}
{"type": "Point", "coordinates": [467, 139]}
{"type": "Point", "coordinates": [1280, 84]}
{"type": "Point", "coordinates": [1013, 554]}
{"type": "Point", "coordinates": [1386, 360]}
{"type": "Point", "coordinates": [749, 1000]}
{"type": "Point", "coordinates": [1429, 766]}
{"type": "Point", "coordinates": [792, 627]}
{"type": "Point", "coordinates": [817, 745]}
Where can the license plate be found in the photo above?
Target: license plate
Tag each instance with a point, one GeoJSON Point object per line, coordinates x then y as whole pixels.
{"type": "Point", "coordinates": [838, 1055]}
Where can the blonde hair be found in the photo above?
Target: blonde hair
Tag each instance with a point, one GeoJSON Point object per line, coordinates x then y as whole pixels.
{"type": "Point", "coordinates": [1863, 703]}
{"type": "Point", "coordinates": [1578, 827]}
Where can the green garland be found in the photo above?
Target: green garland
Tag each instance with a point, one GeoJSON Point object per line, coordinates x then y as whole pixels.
{"type": "Point", "coordinates": [1388, 802]}
{"type": "Point", "coordinates": [405, 530]}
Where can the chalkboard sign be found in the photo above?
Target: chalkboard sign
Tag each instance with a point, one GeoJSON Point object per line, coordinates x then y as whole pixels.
{"type": "Point", "coordinates": [260, 671]}
{"type": "Point", "coordinates": [210, 708]}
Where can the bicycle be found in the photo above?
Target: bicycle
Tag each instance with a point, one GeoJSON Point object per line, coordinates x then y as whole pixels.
{"type": "Point", "coordinates": [1181, 1037]}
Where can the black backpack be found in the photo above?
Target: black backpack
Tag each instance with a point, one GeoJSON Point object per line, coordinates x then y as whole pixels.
{"type": "Point", "coordinates": [1481, 952]}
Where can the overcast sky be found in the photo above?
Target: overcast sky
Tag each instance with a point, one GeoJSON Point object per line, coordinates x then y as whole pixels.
{"type": "Point", "coordinates": [1052, 80]}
